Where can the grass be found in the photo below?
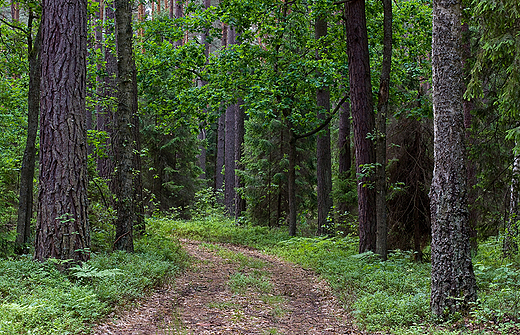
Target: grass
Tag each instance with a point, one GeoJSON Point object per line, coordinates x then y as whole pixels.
{"type": "Point", "coordinates": [390, 296]}
{"type": "Point", "coordinates": [36, 298]}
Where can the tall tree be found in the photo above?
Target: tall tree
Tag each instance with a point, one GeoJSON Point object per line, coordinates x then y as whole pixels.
{"type": "Point", "coordinates": [221, 126]}
{"type": "Point", "coordinates": [362, 119]}
{"type": "Point", "coordinates": [124, 139]}
{"type": "Point", "coordinates": [229, 157]}
{"type": "Point", "coordinates": [323, 165]}
{"type": "Point", "coordinates": [62, 225]}
{"type": "Point", "coordinates": [382, 111]}
{"type": "Point", "coordinates": [453, 283]}
{"type": "Point", "coordinates": [25, 205]}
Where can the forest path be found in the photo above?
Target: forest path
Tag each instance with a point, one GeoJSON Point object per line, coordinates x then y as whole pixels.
{"type": "Point", "coordinates": [236, 290]}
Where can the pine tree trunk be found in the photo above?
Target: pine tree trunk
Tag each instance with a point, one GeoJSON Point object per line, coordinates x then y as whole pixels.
{"type": "Point", "coordinates": [382, 108]}
{"type": "Point", "coordinates": [62, 225]}
{"type": "Point", "coordinates": [344, 159]}
{"type": "Point", "coordinates": [453, 284]}
{"type": "Point", "coordinates": [229, 176]}
{"type": "Point", "coordinates": [240, 202]}
{"type": "Point", "coordinates": [323, 164]}
{"type": "Point", "coordinates": [362, 119]}
{"type": "Point", "coordinates": [291, 183]}
{"type": "Point", "coordinates": [25, 205]}
{"type": "Point", "coordinates": [105, 116]}
{"type": "Point", "coordinates": [124, 148]}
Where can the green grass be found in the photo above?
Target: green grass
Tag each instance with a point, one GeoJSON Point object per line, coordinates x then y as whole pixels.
{"type": "Point", "coordinates": [388, 296]}
{"type": "Point", "coordinates": [36, 298]}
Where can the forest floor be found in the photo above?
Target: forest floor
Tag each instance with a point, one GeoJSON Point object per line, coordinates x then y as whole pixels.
{"type": "Point", "coordinates": [235, 290]}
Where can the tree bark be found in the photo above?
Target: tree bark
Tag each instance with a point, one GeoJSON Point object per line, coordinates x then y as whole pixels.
{"type": "Point", "coordinates": [510, 247]}
{"type": "Point", "coordinates": [15, 11]}
{"type": "Point", "coordinates": [291, 180]}
{"type": "Point", "coordinates": [105, 116]}
{"type": "Point", "coordinates": [240, 202]}
{"type": "Point", "coordinates": [362, 119]}
{"type": "Point", "coordinates": [344, 159]}
{"type": "Point", "coordinates": [229, 175]}
{"type": "Point", "coordinates": [382, 108]}
{"type": "Point", "coordinates": [62, 225]}
{"type": "Point", "coordinates": [25, 205]}
{"type": "Point", "coordinates": [323, 164]}
{"type": "Point", "coordinates": [221, 128]}
{"type": "Point", "coordinates": [453, 284]}
{"type": "Point", "coordinates": [124, 148]}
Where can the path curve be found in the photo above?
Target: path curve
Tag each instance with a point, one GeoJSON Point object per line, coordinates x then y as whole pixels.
{"type": "Point", "coordinates": [236, 290]}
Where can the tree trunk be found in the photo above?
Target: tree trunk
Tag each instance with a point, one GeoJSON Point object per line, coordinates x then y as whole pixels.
{"type": "Point", "coordinates": [25, 206]}
{"type": "Point", "coordinates": [219, 161]}
{"type": "Point", "coordinates": [140, 227]}
{"type": "Point", "coordinates": [344, 159]}
{"type": "Point", "coordinates": [240, 202]}
{"type": "Point", "coordinates": [291, 180]}
{"type": "Point", "coordinates": [382, 108]}
{"type": "Point", "coordinates": [105, 116]}
{"type": "Point", "coordinates": [229, 176]}
{"type": "Point", "coordinates": [511, 234]}
{"type": "Point", "coordinates": [323, 164]}
{"type": "Point", "coordinates": [362, 119]}
{"type": "Point", "coordinates": [62, 225]}
{"type": "Point", "coordinates": [124, 186]}
{"type": "Point", "coordinates": [178, 15]}
{"type": "Point", "coordinates": [15, 11]}
{"type": "Point", "coordinates": [453, 282]}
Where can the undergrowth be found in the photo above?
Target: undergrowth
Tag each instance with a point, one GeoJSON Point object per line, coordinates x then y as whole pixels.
{"type": "Point", "coordinates": [391, 296]}
{"type": "Point", "coordinates": [36, 298]}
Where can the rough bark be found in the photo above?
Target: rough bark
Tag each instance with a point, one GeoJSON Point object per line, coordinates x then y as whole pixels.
{"type": "Point", "coordinates": [105, 116]}
{"type": "Point", "coordinates": [453, 282]}
{"type": "Point", "coordinates": [382, 109]}
{"type": "Point", "coordinates": [323, 164]}
{"type": "Point", "coordinates": [124, 148]}
{"type": "Point", "coordinates": [221, 126]}
{"type": "Point", "coordinates": [62, 225]}
{"type": "Point", "coordinates": [362, 118]}
{"type": "Point", "coordinates": [25, 205]}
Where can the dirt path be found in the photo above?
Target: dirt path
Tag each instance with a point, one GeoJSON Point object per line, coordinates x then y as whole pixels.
{"type": "Point", "coordinates": [235, 290]}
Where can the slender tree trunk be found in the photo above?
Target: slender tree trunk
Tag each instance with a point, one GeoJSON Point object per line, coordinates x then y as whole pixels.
{"type": "Point", "coordinates": [221, 128]}
{"type": "Point", "coordinates": [178, 15]}
{"type": "Point", "coordinates": [105, 116]}
{"type": "Point", "coordinates": [138, 180]}
{"type": "Point", "coordinates": [240, 202]}
{"type": "Point", "coordinates": [382, 108]}
{"type": "Point", "coordinates": [229, 176]}
{"type": "Point", "coordinates": [511, 235]}
{"type": "Point", "coordinates": [62, 226]}
{"type": "Point", "coordinates": [344, 158]}
{"type": "Point", "coordinates": [25, 206]}
{"type": "Point", "coordinates": [453, 282]}
{"type": "Point", "coordinates": [362, 119]}
{"type": "Point", "coordinates": [124, 185]}
{"type": "Point", "coordinates": [291, 183]}
{"type": "Point", "coordinates": [15, 11]}
{"type": "Point", "coordinates": [324, 157]}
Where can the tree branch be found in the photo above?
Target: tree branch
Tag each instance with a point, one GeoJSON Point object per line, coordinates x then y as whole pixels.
{"type": "Point", "coordinates": [326, 122]}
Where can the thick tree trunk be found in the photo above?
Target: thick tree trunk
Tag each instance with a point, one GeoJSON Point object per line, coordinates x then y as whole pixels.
{"type": "Point", "coordinates": [362, 119]}
{"type": "Point", "coordinates": [510, 247]}
{"type": "Point", "coordinates": [240, 202]}
{"type": "Point", "coordinates": [124, 186]}
{"type": "Point", "coordinates": [382, 108]}
{"type": "Point", "coordinates": [453, 284]}
{"type": "Point", "coordinates": [344, 158]}
{"type": "Point", "coordinates": [62, 225]}
{"type": "Point", "coordinates": [105, 116]}
{"type": "Point", "coordinates": [323, 164]}
{"type": "Point", "coordinates": [25, 205]}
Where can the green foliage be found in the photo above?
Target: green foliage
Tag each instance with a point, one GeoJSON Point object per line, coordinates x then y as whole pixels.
{"type": "Point", "coordinates": [36, 298]}
{"type": "Point", "coordinates": [256, 282]}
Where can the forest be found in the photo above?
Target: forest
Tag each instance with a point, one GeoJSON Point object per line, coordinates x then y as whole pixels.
{"type": "Point", "coordinates": [374, 143]}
